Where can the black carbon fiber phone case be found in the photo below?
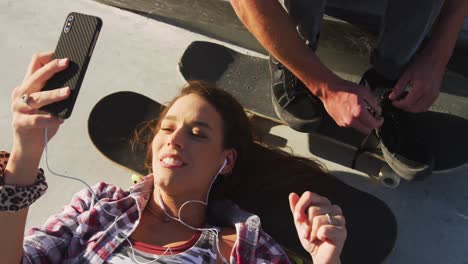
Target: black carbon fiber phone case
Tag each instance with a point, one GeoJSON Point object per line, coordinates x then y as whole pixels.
{"type": "Point", "coordinates": [76, 42]}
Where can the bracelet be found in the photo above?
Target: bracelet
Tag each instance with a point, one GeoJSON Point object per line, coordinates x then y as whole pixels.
{"type": "Point", "coordinates": [14, 198]}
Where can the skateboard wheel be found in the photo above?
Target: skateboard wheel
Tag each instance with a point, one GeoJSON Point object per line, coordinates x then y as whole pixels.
{"type": "Point", "coordinates": [388, 178]}
{"type": "Point", "coordinates": [136, 178]}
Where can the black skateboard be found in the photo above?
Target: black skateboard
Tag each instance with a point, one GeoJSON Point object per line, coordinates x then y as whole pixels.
{"type": "Point", "coordinates": [111, 127]}
{"type": "Point", "coordinates": [247, 78]}
{"type": "Point", "coordinates": [371, 224]}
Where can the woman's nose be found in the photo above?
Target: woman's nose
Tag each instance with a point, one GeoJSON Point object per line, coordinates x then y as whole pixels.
{"type": "Point", "coordinates": [176, 139]}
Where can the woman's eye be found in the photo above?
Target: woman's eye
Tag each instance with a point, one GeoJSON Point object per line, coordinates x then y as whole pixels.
{"type": "Point", "coordinates": [197, 133]}
{"type": "Point", "coordinates": [166, 129]}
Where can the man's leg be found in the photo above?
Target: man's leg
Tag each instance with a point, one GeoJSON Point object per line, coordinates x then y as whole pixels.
{"type": "Point", "coordinates": [404, 28]}
{"type": "Point", "coordinates": [292, 100]}
{"type": "Point", "coordinates": [308, 16]}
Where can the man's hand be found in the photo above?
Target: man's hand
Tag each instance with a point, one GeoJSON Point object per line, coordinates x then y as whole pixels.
{"type": "Point", "coordinates": [320, 226]}
{"type": "Point", "coordinates": [424, 76]}
{"type": "Point", "coordinates": [425, 73]}
{"type": "Point", "coordinates": [351, 105]}
{"type": "Point", "coordinates": [343, 100]}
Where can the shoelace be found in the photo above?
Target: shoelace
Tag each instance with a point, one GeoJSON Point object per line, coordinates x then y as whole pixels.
{"type": "Point", "coordinates": [389, 114]}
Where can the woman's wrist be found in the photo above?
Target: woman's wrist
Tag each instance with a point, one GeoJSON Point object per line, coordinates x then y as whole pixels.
{"type": "Point", "coordinates": [24, 145]}
{"type": "Point", "coordinates": [21, 169]}
{"type": "Point", "coordinates": [17, 192]}
{"type": "Point", "coordinates": [335, 260]}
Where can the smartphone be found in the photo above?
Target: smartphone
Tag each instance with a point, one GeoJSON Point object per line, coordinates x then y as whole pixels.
{"type": "Point", "coordinates": [77, 40]}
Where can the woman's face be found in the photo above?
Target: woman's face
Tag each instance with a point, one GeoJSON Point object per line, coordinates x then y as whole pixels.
{"type": "Point", "coordinates": [187, 150]}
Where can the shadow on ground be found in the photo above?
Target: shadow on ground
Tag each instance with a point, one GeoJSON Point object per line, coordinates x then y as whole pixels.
{"type": "Point", "coordinates": [429, 213]}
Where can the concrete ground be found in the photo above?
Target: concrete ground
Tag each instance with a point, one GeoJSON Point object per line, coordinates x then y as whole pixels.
{"type": "Point", "coordinates": [139, 54]}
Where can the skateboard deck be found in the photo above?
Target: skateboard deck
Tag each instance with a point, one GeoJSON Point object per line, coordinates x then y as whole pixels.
{"type": "Point", "coordinates": [111, 126]}
{"type": "Point", "coordinates": [247, 78]}
{"type": "Point", "coordinates": [112, 123]}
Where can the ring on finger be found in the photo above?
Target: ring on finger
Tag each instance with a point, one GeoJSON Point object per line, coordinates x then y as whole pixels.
{"type": "Point", "coordinates": [332, 220]}
{"type": "Point", "coordinates": [25, 98]}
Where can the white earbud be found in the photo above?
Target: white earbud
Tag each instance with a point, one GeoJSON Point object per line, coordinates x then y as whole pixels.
{"type": "Point", "coordinates": [222, 166]}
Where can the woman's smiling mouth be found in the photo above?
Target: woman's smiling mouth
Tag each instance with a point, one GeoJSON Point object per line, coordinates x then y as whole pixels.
{"type": "Point", "coordinates": [171, 161]}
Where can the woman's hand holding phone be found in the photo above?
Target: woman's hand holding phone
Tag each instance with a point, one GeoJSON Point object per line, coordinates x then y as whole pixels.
{"type": "Point", "coordinates": [28, 122]}
{"type": "Point", "coordinates": [40, 101]}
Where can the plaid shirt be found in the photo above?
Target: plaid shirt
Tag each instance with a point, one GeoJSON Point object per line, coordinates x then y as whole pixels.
{"type": "Point", "coordinates": [84, 233]}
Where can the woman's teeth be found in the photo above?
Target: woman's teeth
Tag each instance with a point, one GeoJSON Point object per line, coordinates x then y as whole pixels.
{"type": "Point", "coordinates": [172, 161]}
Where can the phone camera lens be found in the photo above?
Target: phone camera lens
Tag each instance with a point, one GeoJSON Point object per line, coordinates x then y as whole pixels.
{"type": "Point", "coordinates": [68, 25]}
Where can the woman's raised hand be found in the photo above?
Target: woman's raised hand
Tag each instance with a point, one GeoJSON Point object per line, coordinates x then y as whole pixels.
{"type": "Point", "coordinates": [28, 122]}
{"type": "Point", "coordinates": [320, 226]}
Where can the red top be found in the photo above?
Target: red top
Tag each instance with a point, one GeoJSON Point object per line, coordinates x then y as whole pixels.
{"type": "Point", "coordinates": [151, 249]}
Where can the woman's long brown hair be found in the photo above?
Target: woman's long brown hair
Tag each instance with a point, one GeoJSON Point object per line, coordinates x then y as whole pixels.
{"type": "Point", "coordinates": [258, 168]}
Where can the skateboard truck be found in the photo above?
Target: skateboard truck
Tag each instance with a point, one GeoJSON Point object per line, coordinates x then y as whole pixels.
{"type": "Point", "coordinates": [386, 176]}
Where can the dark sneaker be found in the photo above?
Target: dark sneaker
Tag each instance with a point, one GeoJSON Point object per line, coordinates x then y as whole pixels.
{"type": "Point", "coordinates": [292, 100]}
{"type": "Point", "coordinates": [399, 137]}
{"type": "Point", "coordinates": [376, 82]}
{"type": "Point", "coordinates": [401, 142]}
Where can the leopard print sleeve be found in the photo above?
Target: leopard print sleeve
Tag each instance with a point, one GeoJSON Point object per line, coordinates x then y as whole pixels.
{"type": "Point", "coordinates": [14, 198]}
{"type": "Point", "coordinates": [3, 162]}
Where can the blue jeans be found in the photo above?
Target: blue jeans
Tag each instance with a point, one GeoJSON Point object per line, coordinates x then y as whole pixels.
{"type": "Point", "coordinates": [403, 28]}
